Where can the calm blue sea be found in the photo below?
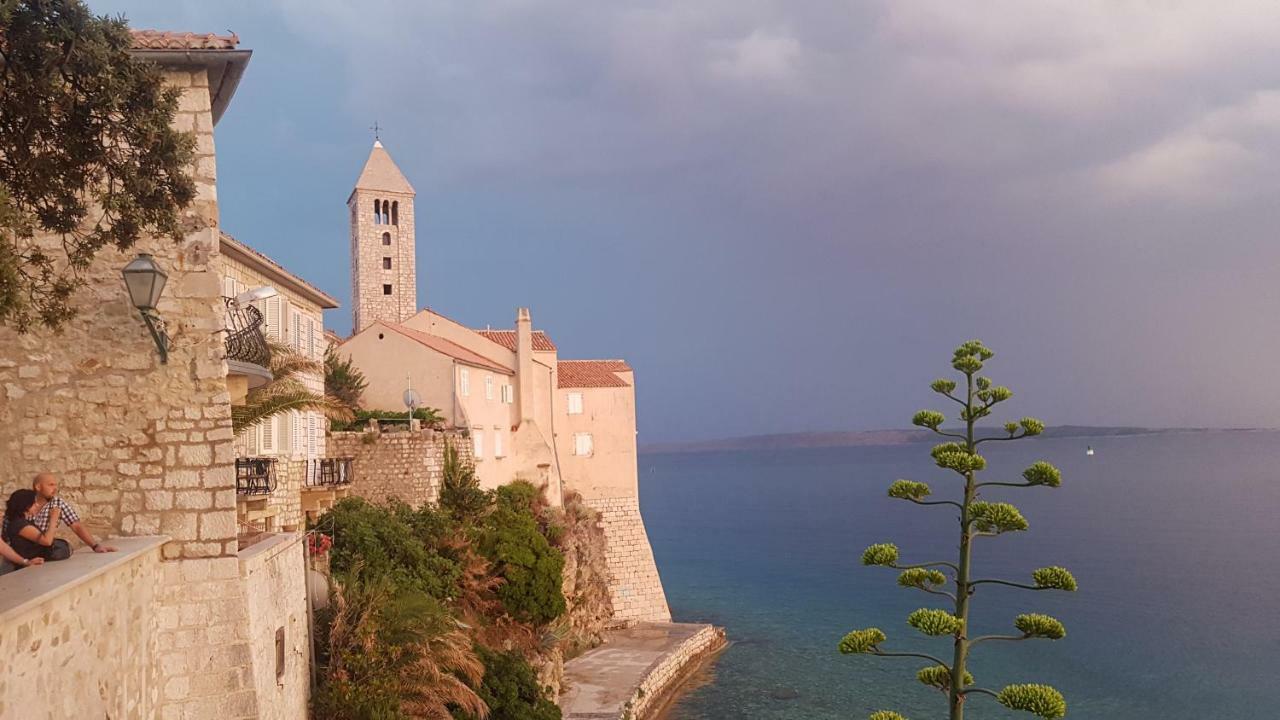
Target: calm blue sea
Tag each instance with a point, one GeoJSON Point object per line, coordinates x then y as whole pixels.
{"type": "Point", "coordinates": [1175, 540]}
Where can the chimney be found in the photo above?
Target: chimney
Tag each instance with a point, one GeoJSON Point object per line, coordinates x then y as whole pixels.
{"type": "Point", "coordinates": [524, 364]}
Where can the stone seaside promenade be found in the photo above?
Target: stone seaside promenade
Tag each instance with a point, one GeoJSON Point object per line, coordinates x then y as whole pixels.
{"type": "Point", "coordinates": [634, 672]}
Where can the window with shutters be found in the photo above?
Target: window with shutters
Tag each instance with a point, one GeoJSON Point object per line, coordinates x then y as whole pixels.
{"type": "Point", "coordinates": [582, 445]}
{"type": "Point", "coordinates": [488, 387]}
{"type": "Point", "coordinates": [575, 403]}
{"type": "Point", "coordinates": [296, 331]}
{"type": "Point", "coordinates": [498, 449]}
{"type": "Point", "coordinates": [313, 435]}
{"type": "Point", "coordinates": [508, 395]}
{"type": "Point", "coordinates": [477, 443]}
{"type": "Point", "coordinates": [311, 338]}
{"type": "Point", "coordinates": [267, 436]}
{"type": "Point", "coordinates": [464, 382]}
{"type": "Point", "coordinates": [271, 311]}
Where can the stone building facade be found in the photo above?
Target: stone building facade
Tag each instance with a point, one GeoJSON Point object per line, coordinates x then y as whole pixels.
{"type": "Point", "coordinates": [145, 450]}
{"type": "Point", "coordinates": [384, 283]}
{"type": "Point", "coordinates": [295, 440]}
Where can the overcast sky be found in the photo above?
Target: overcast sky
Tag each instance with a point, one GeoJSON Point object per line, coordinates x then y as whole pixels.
{"type": "Point", "coordinates": [786, 214]}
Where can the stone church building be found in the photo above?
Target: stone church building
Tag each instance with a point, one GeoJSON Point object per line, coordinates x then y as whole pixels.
{"type": "Point", "coordinates": [566, 425]}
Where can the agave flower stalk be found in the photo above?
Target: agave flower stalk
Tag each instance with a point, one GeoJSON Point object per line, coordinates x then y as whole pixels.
{"type": "Point", "coordinates": [976, 518]}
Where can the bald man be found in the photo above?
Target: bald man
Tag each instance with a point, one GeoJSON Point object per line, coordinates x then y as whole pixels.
{"type": "Point", "coordinates": [47, 501]}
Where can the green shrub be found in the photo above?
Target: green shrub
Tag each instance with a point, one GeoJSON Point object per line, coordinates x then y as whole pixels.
{"type": "Point", "coordinates": [460, 493]}
{"type": "Point", "coordinates": [510, 688]}
{"type": "Point", "coordinates": [390, 540]}
{"type": "Point", "coordinates": [522, 555]}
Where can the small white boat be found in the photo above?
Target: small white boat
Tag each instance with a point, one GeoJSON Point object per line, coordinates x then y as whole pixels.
{"type": "Point", "coordinates": [1089, 452]}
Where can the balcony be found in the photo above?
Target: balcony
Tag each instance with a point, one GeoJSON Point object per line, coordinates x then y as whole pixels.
{"type": "Point", "coordinates": [248, 355]}
{"type": "Point", "coordinates": [255, 476]}
{"type": "Point", "coordinates": [327, 481]}
{"type": "Point", "coordinates": [328, 472]}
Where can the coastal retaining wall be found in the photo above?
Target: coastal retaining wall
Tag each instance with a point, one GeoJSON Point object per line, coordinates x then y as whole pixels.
{"type": "Point", "coordinates": [665, 677]}
{"type": "Point", "coordinates": [407, 464]}
{"type": "Point", "coordinates": [634, 585]}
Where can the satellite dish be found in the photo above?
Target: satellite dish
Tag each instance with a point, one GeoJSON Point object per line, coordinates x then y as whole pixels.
{"type": "Point", "coordinates": [411, 400]}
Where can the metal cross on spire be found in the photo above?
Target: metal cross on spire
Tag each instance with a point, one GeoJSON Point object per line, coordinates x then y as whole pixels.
{"type": "Point", "coordinates": [375, 128]}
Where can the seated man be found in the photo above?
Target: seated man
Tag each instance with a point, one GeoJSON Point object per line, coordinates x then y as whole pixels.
{"type": "Point", "coordinates": [46, 487]}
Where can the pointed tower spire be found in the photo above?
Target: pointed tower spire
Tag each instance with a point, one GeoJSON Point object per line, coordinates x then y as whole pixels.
{"type": "Point", "coordinates": [381, 173]}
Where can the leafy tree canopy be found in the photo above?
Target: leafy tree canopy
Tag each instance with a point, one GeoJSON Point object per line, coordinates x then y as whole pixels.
{"type": "Point", "coordinates": [87, 153]}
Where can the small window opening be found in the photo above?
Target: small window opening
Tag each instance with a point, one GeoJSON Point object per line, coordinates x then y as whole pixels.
{"type": "Point", "coordinates": [386, 289]}
{"type": "Point", "coordinates": [386, 263]}
{"type": "Point", "coordinates": [386, 212]}
{"type": "Point", "coordinates": [386, 238]}
{"type": "Point", "coordinates": [279, 653]}
{"type": "Point", "coordinates": [377, 212]}
{"type": "Point", "coordinates": [395, 213]}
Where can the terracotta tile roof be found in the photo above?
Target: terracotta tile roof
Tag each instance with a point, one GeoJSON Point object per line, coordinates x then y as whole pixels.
{"type": "Point", "coordinates": [590, 373]}
{"type": "Point", "coordinates": [448, 348]}
{"type": "Point", "coordinates": [507, 339]}
{"type": "Point", "coordinates": [321, 298]}
{"type": "Point", "coordinates": [168, 40]}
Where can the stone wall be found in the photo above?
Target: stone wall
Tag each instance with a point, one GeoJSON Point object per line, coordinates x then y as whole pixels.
{"type": "Point", "coordinates": [274, 573]}
{"type": "Point", "coordinates": [634, 585]}
{"type": "Point", "coordinates": [79, 639]}
{"type": "Point", "coordinates": [140, 447]}
{"type": "Point", "coordinates": [407, 465]}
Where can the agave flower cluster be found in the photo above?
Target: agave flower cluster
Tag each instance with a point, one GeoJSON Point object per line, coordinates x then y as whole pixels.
{"type": "Point", "coordinates": [977, 397]}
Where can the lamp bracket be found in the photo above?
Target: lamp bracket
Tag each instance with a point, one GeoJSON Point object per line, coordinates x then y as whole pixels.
{"type": "Point", "coordinates": [159, 333]}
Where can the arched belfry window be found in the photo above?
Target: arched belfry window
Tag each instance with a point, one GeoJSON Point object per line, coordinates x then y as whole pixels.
{"type": "Point", "coordinates": [386, 238]}
{"type": "Point", "coordinates": [377, 211]}
{"type": "Point", "coordinates": [386, 212]}
{"type": "Point", "coordinates": [395, 212]}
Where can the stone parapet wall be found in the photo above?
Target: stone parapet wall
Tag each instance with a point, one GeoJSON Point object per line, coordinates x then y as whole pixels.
{"type": "Point", "coordinates": [634, 584]}
{"type": "Point", "coordinates": [79, 638]}
{"type": "Point", "coordinates": [287, 496]}
{"type": "Point", "coordinates": [407, 465]}
{"type": "Point", "coordinates": [668, 673]}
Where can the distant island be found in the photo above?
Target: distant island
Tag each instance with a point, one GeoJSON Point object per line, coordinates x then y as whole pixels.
{"type": "Point", "coordinates": [791, 441]}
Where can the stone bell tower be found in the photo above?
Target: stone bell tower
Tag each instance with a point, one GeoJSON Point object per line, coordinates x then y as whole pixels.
{"type": "Point", "coordinates": [383, 272]}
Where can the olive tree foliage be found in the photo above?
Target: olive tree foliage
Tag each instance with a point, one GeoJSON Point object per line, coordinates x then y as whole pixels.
{"type": "Point", "coordinates": [87, 153]}
{"type": "Point", "coordinates": [977, 397]}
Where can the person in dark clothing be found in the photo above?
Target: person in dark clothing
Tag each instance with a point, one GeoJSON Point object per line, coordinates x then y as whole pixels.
{"type": "Point", "coordinates": [21, 534]}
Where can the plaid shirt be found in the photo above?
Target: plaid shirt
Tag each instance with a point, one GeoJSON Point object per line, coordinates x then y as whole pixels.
{"type": "Point", "coordinates": [67, 516]}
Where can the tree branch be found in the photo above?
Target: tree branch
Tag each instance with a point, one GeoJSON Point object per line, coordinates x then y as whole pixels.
{"type": "Point", "coordinates": [999, 439]}
{"type": "Point", "coordinates": [935, 502]}
{"type": "Point", "coordinates": [950, 435]}
{"type": "Point", "coordinates": [881, 653]}
{"type": "Point", "coordinates": [941, 563]}
{"type": "Point", "coordinates": [1010, 584]}
{"type": "Point", "coordinates": [984, 638]}
{"type": "Point", "coordinates": [982, 691]}
{"type": "Point", "coordinates": [1006, 484]}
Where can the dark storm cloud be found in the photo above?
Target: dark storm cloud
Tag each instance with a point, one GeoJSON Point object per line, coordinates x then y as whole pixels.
{"type": "Point", "coordinates": [786, 213]}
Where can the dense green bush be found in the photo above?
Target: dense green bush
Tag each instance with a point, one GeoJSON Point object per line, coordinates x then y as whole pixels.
{"type": "Point", "coordinates": [531, 567]}
{"type": "Point", "coordinates": [391, 540]}
{"type": "Point", "coordinates": [460, 494]}
{"type": "Point", "coordinates": [511, 690]}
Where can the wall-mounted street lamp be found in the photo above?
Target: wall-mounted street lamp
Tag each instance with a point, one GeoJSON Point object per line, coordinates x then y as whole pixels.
{"type": "Point", "coordinates": [145, 281]}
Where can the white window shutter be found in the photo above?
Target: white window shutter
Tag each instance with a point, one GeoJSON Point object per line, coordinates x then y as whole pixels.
{"type": "Point", "coordinates": [266, 436]}
{"type": "Point", "coordinates": [477, 440]}
{"type": "Point", "coordinates": [271, 311]}
{"type": "Point", "coordinates": [311, 338]}
{"type": "Point", "coordinates": [488, 387]}
{"type": "Point", "coordinates": [313, 431]}
{"type": "Point", "coordinates": [497, 444]}
{"type": "Point", "coordinates": [575, 403]}
{"type": "Point", "coordinates": [464, 380]}
{"type": "Point", "coordinates": [229, 287]}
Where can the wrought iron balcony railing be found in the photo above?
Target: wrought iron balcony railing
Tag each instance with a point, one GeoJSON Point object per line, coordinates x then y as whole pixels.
{"type": "Point", "coordinates": [255, 476]}
{"type": "Point", "coordinates": [245, 340]}
{"type": "Point", "coordinates": [328, 472]}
